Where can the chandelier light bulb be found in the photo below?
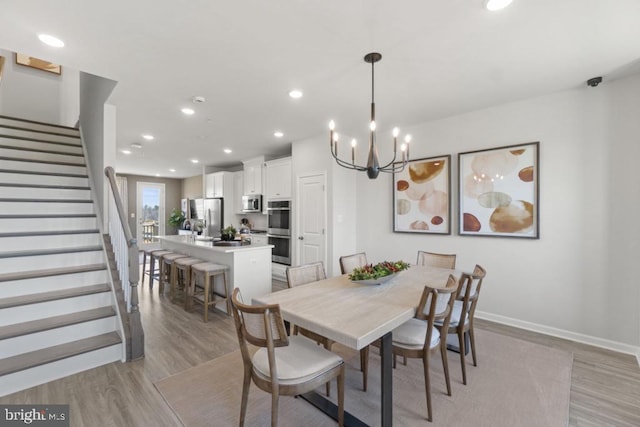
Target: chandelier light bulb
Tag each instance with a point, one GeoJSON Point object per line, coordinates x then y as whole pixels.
{"type": "Point", "coordinates": [332, 125]}
{"type": "Point", "coordinates": [372, 126]}
{"type": "Point", "coordinates": [336, 136]}
{"type": "Point", "coordinates": [493, 5]}
{"type": "Point", "coordinates": [396, 132]}
{"type": "Point", "coordinates": [354, 142]}
{"type": "Point", "coordinates": [403, 147]}
{"type": "Point", "coordinates": [407, 139]}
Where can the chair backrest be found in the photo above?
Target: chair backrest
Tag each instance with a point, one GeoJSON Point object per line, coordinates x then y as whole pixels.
{"type": "Point", "coordinates": [306, 273]}
{"type": "Point", "coordinates": [260, 325]}
{"type": "Point", "coordinates": [437, 304]}
{"type": "Point", "coordinates": [469, 291]}
{"type": "Point", "coordinates": [433, 259]}
{"type": "Point", "coordinates": [349, 262]}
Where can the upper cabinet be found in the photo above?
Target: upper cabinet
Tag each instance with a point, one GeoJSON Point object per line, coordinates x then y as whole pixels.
{"type": "Point", "coordinates": [238, 191]}
{"type": "Point", "coordinates": [253, 176]}
{"type": "Point", "coordinates": [218, 184]}
{"type": "Point", "coordinates": [278, 179]}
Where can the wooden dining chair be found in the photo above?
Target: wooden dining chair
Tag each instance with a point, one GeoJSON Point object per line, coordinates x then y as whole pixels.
{"type": "Point", "coordinates": [433, 259]}
{"type": "Point", "coordinates": [418, 337]}
{"type": "Point", "coordinates": [282, 365]}
{"type": "Point", "coordinates": [463, 312]}
{"type": "Point", "coordinates": [347, 264]}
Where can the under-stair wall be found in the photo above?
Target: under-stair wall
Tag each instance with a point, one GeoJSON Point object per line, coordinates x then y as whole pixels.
{"type": "Point", "coordinates": [58, 314]}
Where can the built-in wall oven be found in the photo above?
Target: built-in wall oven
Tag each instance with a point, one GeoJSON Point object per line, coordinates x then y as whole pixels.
{"type": "Point", "coordinates": [279, 230]}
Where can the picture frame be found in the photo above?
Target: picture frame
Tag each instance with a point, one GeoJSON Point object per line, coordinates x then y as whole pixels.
{"type": "Point", "coordinates": [422, 196]}
{"type": "Point", "coordinates": [39, 64]}
{"type": "Point", "coordinates": [499, 192]}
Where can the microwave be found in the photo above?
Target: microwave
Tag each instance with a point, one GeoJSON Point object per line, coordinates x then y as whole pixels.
{"type": "Point", "coordinates": [252, 203]}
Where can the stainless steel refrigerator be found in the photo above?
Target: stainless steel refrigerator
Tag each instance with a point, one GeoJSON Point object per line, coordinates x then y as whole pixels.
{"type": "Point", "coordinates": [213, 216]}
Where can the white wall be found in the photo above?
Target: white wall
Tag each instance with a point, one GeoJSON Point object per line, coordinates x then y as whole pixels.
{"type": "Point", "coordinates": [38, 95]}
{"type": "Point", "coordinates": [577, 280]}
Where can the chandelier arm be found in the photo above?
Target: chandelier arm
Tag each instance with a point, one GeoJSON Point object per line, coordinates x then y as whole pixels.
{"type": "Point", "coordinates": [390, 163]}
{"type": "Point", "coordinates": [348, 165]}
{"type": "Point", "coordinates": [397, 169]}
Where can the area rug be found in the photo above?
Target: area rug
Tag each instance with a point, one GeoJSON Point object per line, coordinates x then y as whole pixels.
{"type": "Point", "coordinates": [516, 383]}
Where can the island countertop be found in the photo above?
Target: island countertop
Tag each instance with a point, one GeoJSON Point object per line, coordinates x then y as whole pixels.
{"type": "Point", "coordinates": [208, 244]}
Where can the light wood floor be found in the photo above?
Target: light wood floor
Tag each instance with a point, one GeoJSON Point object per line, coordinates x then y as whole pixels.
{"type": "Point", "coordinates": [605, 387]}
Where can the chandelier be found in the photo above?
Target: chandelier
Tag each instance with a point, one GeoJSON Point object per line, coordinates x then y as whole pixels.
{"type": "Point", "coordinates": [373, 167]}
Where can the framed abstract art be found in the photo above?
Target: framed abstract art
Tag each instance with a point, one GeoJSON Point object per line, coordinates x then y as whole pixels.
{"type": "Point", "coordinates": [422, 196]}
{"type": "Point", "coordinates": [498, 192]}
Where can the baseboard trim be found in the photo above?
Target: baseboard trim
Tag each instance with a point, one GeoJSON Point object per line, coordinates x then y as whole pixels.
{"type": "Point", "coordinates": [561, 333]}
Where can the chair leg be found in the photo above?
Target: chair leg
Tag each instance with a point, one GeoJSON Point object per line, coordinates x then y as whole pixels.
{"type": "Point", "coordinates": [161, 277]}
{"type": "Point", "coordinates": [152, 269]}
{"type": "Point", "coordinates": [341, 396]}
{"type": "Point", "coordinates": [207, 293]}
{"type": "Point", "coordinates": [327, 346]}
{"type": "Point", "coordinates": [462, 351]}
{"type": "Point", "coordinates": [144, 266]}
{"type": "Point", "coordinates": [427, 383]}
{"type": "Point", "coordinates": [445, 365]}
{"type": "Point", "coordinates": [246, 383]}
{"type": "Point", "coordinates": [472, 340]}
{"type": "Point", "coordinates": [274, 409]}
{"type": "Point", "coordinates": [364, 366]}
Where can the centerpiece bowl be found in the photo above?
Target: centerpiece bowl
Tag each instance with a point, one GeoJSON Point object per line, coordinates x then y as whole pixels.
{"type": "Point", "coordinates": [377, 274]}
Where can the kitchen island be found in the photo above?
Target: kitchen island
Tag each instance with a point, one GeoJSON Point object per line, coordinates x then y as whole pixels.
{"type": "Point", "coordinates": [250, 266]}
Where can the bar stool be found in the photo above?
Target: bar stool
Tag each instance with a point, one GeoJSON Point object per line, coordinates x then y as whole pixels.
{"type": "Point", "coordinates": [156, 256]}
{"type": "Point", "coordinates": [182, 270]}
{"type": "Point", "coordinates": [166, 263]}
{"type": "Point", "coordinates": [208, 295]}
{"type": "Point", "coordinates": [147, 253]}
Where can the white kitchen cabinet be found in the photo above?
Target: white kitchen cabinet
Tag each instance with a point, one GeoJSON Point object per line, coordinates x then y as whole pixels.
{"type": "Point", "coordinates": [238, 191]}
{"type": "Point", "coordinates": [253, 176]}
{"type": "Point", "coordinates": [278, 179]}
{"type": "Point", "coordinates": [218, 184]}
{"type": "Point", "coordinates": [259, 239]}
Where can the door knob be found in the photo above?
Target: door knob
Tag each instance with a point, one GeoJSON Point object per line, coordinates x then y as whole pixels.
{"type": "Point", "coordinates": [301, 238]}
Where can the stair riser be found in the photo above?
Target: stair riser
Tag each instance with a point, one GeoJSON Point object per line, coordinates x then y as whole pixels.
{"type": "Point", "coordinates": [42, 167]}
{"type": "Point", "coordinates": [26, 343]}
{"type": "Point", "coordinates": [40, 136]}
{"type": "Point", "coordinates": [17, 225]}
{"type": "Point", "coordinates": [42, 127]}
{"type": "Point", "coordinates": [15, 288]}
{"type": "Point", "coordinates": [41, 157]}
{"type": "Point", "coordinates": [52, 371]}
{"type": "Point", "coordinates": [29, 263]}
{"type": "Point", "coordinates": [30, 243]}
{"type": "Point", "coordinates": [41, 208]}
{"type": "Point", "coordinates": [38, 179]}
{"type": "Point", "coordinates": [37, 145]}
{"type": "Point", "coordinates": [43, 193]}
{"type": "Point", "coordinates": [26, 313]}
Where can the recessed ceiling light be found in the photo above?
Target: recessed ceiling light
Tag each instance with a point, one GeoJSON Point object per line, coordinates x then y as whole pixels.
{"type": "Point", "coordinates": [125, 151]}
{"type": "Point", "coordinates": [497, 4]}
{"type": "Point", "coordinates": [148, 137]}
{"type": "Point", "coordinates": [278, 134]}
{"type": "Point", "coordinates": [157, 174]}
{"type": "Point", "coordinates": [172, 170]}
{"type": "Point", "coordinates": [227, 150]}
{"type": "Point", "coordinates": [136, 145]}
{"type": "Point", "coordinates": [195, 161]}
{"type": "Point", "coordinates": [50, 40]}
{"type": "Point", "coordinates": [198, 99]}
{"type": "Point", "coordinates": [295, 94]}
{"type": "Point", "coordinates": [188, 111]}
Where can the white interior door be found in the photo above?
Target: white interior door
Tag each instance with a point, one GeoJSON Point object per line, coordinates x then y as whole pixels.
{"type": "Point", "coordinates": [312, 222]}
{"type": "Point", "coordinates": [150, 212]}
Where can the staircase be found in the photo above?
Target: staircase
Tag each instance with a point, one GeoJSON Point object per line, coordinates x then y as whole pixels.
{"type": "Point", "coordinates": [57, 309]}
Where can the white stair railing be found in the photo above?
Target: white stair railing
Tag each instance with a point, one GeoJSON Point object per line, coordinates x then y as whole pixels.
{"type": "Point", "coordinates": [125, 248]}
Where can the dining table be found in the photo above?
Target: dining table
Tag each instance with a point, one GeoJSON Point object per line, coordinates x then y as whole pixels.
{"type": "Point", "coordinates": [356, 314]}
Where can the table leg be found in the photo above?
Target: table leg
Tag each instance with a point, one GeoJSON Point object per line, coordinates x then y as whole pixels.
{"type": "Point", "coordinates": [386, 384]}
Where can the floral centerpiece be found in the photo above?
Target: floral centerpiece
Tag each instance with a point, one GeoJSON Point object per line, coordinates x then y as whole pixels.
{"type": "Point", "coordinates": [378, 273]}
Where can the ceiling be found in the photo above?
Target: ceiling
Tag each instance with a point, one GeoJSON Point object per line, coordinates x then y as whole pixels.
{"type": "Point", "coordinates": [440, 58]}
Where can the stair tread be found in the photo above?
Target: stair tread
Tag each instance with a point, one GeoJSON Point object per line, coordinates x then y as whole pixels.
{"type": "Point", "coordinates": [47, 162]}
{"type": "Point", "coordinates": [13, 199]}
{"type": "Point", "coordinates": [53, 295]}
{"type": "Point", "coordinates": [33, 274]}
{"type": "Point", "coordinates": [46, 216]}
{"type": "Point", "coordinates": [40, 357]}
{"type": "Point", "coordinates": [54, 322]}
{"type": "Point", "coordinates": [69, 175]}
{"type": "Point", "coordinates": [48, 186]}
{"type": "Point", "coordinates": [48, 233]}
{"type": "Point", "coordinates": [20, 119]}
{"type": "Point", "coordinates": [39, 150]}
{"type": "Point", "coordinates": [15, 254]}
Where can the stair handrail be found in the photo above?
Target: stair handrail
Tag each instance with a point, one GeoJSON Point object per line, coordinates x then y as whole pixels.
{"type": "Point", "coordinates": [125, 248]}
